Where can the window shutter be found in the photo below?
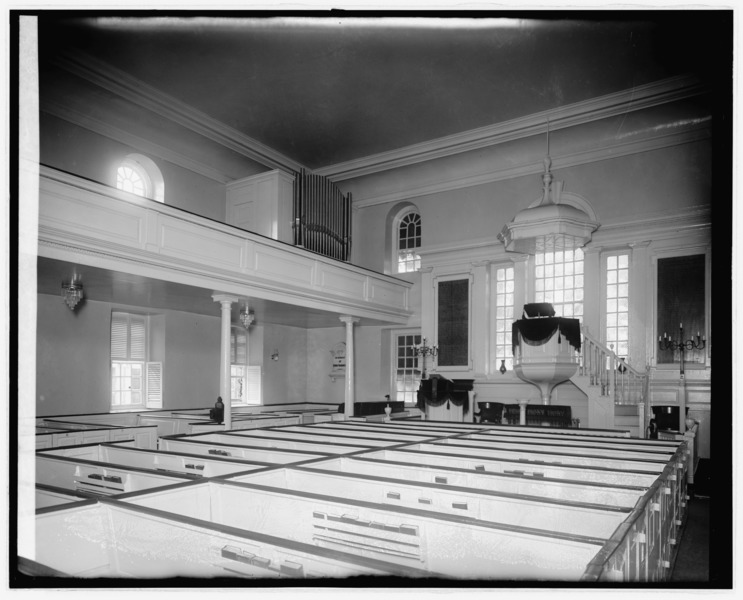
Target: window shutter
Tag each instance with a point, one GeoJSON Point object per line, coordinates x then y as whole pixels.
{"type": "Point", "coordinates": [138, 338]}
{"type": "Point", "coordinates": [253, 393]}
{"type": "Point", "coordinates": [238, 347]}
{"type": "Point", "coordinates": [119, 335]}
{"type": "Point", "coordinates": [128, 336]}
{"type": "Point", "coordinates": [154, 397]}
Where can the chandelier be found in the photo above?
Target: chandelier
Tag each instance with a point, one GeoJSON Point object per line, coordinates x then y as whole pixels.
{"type": "Point", "coordinates": [72, 293]}
{"type": "Point", "coordinates": [246, 318]}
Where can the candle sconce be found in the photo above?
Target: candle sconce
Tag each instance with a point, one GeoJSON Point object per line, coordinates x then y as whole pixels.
{"type": "Point", "coordinates": [668, 343]}
{"type": "Point", "coordinates": [424, 350]}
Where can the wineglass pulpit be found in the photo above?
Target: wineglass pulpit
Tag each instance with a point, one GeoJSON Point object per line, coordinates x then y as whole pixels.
{"type": "Point", "coordinates": [545, 348]}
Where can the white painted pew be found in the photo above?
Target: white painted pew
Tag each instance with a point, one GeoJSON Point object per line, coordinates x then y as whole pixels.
{"type": "Point", "coordinates": [108, 541]}
{"type": "Point", "coordinates": [197, 444]}
{"type": "Point", "coordinates": [99, 478]}
{"type": "Point", "coordinates": [514, 466]}
{"type": "Point", "coordinates": [48, 495]}
{"type": "Point", "coordinates": [159, 460]}
{"type": "Point", "coordinates": [361, 433]}
{"type": "Point", "coordinates": [596, 493]}
{"type": "Point", "coordinates": [549, 515]}
{"type": "Point", "coordinates": [554, 456]}
{"type": "Point", "coordinates": [237, 438]}
{"type": "Point", "coordinates": [408, 537]}
{"type": "Point", "coordinates": [142, 436]}
{"type": "Point", "coordinates": [361, 440]}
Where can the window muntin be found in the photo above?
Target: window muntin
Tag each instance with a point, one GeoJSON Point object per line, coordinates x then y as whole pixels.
{"type": "Point", "coordinates": [617, 304]}
{"type": "Point", "coordinates": [139, 175]}
{"type": "Point", "coordinates": [131, 375]}
{"type": "Point", "coordinates": [558, 279]}
{"type": "Point", "coordinates": [407, 371]}
{"type": "Point", "coordinates": [245, 380]}
{"type": "Point", "coordinates": [131, 179]}
{"type": "Point", "coordinates": [504, 299]}
{"type": "Point", "coordinates": [408, 241]}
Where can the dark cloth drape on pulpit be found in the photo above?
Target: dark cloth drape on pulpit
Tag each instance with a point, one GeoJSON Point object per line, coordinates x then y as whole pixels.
{"type": "Point", "coordinates": [437, 391]}
{"type": "Point", "coordinates": [536, 332]}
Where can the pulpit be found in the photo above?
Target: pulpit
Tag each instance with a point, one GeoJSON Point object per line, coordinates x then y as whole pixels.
{"type": "Point", "coordinates": [545, 348]}
{"type": "Point", "coordinates": [442, 399]}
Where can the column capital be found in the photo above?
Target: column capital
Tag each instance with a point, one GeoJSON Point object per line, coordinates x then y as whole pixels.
{"type": "Point", "coordinates": [349, 319]}
{"type": "Point", "coordinates": [643, 244]}
{"type": "Point", "coordinates": [519, 258]}
{"type": "Point", "coordinates": [219, 297]}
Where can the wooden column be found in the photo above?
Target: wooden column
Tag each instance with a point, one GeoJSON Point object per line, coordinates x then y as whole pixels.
{"type": "Point", "coordinates": [350, 365]}
{"type": "Point", "coordinates": [224, 356]}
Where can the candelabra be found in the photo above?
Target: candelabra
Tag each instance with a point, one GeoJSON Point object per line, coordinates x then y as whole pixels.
{"type": "Point", "coordinates": [424, 350]}
{"type": "Point", "coordinates": [667, 343]}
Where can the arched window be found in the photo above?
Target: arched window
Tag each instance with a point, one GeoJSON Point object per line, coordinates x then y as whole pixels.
{"type": "Point", "coordinates": [408, 241]}
{"type": "Point", "coordinates": [139, 175]}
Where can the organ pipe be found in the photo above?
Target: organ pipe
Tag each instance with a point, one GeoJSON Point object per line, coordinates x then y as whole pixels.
{"type": "Point", "coordinates": [322, 216]}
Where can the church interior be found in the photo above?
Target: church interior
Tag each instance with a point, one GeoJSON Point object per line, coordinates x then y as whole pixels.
{"type": "Point", "coordinates": [393, 298]}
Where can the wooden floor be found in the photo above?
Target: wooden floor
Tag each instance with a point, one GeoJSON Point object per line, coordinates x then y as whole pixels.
{"type": "Point", "coordinates": [692, 560]}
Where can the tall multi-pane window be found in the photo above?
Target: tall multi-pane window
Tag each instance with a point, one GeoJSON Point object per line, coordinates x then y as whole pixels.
{"type": "Point", "coordinates": [245, 380]}
{"type": "Point", "coordinates": [617, 303]}
{"type": "Point", "coordinates": [407, 372]}
{"type": "Point", "coordinates": [135, 382]}
{"type": "Point", "coordinates": [408, 242]}
{"type": "Point", "coordinates": [559, 281]}
{"type": "Point", "coordinates": [504, 285]}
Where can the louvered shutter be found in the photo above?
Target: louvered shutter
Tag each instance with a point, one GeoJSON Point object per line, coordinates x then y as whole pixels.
{"type": "Point", "coordinates": [128, 336]}
{"type": "Point", "coordinates": [119, 336]}
{"type": "Point", "coordinates": [253, 395]}
{"type": "Point", "coordinates": [154, 397]}
{"type": "Point", "coordinates": [137, 337]}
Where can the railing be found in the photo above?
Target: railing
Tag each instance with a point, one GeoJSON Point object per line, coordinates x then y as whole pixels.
{"type": "Point", "coordinates": [613, 375]}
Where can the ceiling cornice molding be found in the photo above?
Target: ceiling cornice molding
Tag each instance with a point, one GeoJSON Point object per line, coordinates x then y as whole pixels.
{"type": "Point", "coordinates": [656, 142]}
{"type": "Point", "coordinates": [81, 119]}
{"type": "Point", "coordinates": [658, 226]}
{"type": "Point", "coordinates": [634, 99]}
{"type": "Point", "coordinates": [136, 91]}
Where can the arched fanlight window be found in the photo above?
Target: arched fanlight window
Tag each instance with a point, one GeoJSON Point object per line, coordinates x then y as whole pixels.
{"type": "Point", "coordinates": [408, 242]}
{"type": "Point", "coordinates": [139, 175]}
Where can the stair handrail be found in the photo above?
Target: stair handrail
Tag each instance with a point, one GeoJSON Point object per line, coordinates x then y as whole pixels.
{"type": "Point", "coordinates": [615, 376]}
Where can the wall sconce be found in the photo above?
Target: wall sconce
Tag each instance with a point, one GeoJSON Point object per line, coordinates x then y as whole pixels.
{"type": "Point", "coordinates": [246, 318]}
{"type": "Point", "coordinates": [503, 367]}
{"type": "Point", "coordinates": [72, 293]}
{"type": "Point", "coordinates": [275, 355]}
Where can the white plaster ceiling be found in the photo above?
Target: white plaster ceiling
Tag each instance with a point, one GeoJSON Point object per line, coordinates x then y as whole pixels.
{"type": "Point", "coordinates": [326, 90]}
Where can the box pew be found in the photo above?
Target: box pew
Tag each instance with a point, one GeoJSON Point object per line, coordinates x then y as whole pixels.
{"type": "Point", "coordinates": [142, 436]}
{"type": "Point", "coordinates": [112, 539]}
{"type": "Point", "coordinates": [195, 444]}
{"type": "Point", "coordinates": [652, 454]}
{"type": "Point", "coordinates": [591, 458]}
{"type": "Point", "coordinates": [587, 441]}
{"type": "Point", "coordinates": [122, 419]}
{"type": "Point", "coordinates": [550, 515]}
{"type": "Point", "coordinates": [159, 460]}
{"type": "Point", "coordinates": [514, 466]}
{"type": "Point", "coordinates": [367, 441]}
{"type": "Point", "coordinates": [625, 496]}
{"type": "Point", "coordinates": [49, 495]}
{"type": "Point", "coordinates": [408, 537]}
{"type": "Point", "coordinates": [672, 472]}
{"type": "Point", "coordinates": [237, 438]}
{"type": "Point", "coordinates": [361, 433]}
{"type": "Point", "coordinates": [99, 478]}
{"type": "Point", "coordinates": [554, 456]}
